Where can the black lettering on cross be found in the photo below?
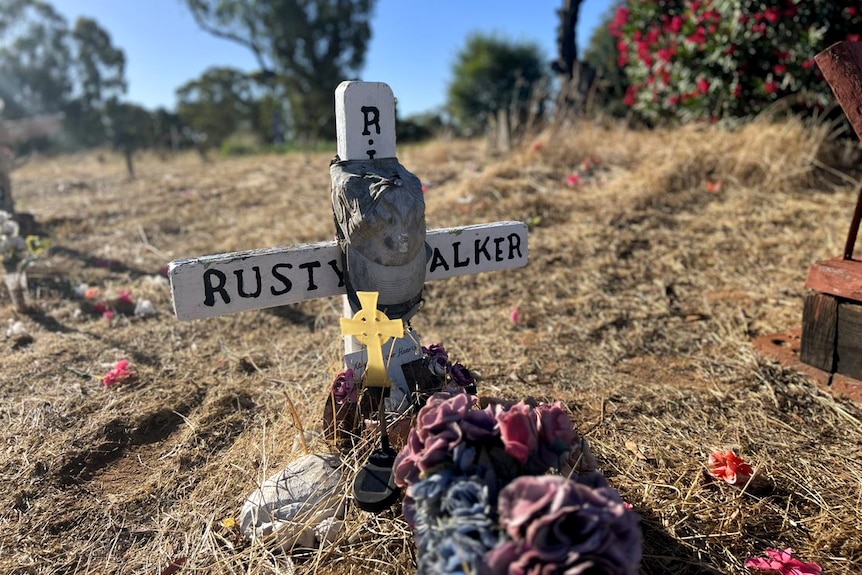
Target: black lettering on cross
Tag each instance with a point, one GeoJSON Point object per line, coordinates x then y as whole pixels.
{"type": "Point", "coordinates": [370, 117]}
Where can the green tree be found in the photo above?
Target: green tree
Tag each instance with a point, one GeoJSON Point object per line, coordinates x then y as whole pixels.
{"type": "Point", "coordinates": [491, 74]}
{"type": "Point", "coordinates": [46, 67]}
{"type": "Point", "coordinates": [129, 128]}
{"type": "Point", "coordinates": [35, 59]}
{"type": "Point", "coordinates": [98, 72]}
{"type": "Point", "coordinates": [216, 105]}
{"type": "Point", "coordinates": [305, 48]}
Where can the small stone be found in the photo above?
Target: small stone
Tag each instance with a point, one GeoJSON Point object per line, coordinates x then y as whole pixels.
{"type": "Point", "coordinates": [302, 504]}
{"type": "Point", "coordinates": [16, 329]}
{"type": "Point", "coordinates": [145, 308]}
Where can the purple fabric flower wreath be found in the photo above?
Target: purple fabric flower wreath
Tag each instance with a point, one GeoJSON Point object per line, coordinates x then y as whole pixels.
{"type": "Point", "coordinates": [481, 501]}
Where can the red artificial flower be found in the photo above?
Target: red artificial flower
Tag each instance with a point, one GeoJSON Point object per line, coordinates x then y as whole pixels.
{"type": "Point", "coordinates": [784, 563]}
{"type": "Point", "coordinates": [730, 467]}
{"type": "Point", "coordinates": [809, 63]}
{"type": "Point", "coordinates": [120, 373]}
{"type": "Point", "coordinates": [780, 69]}
{"type": "Point", "coordinates": [92, 293]}
{"type": "Point", "coordinates": [770, 87]}
{"type": "Point", "coordinates": [737, 91]}
{"type": "Point", "coordinates": [772, 14]}
{"type": "Point", "coordinates": [575, 178]}
{"type": "Point", "coordinates": [713, 187]}
{"type": "Point", "coordinates": [675, 24]}
{"type": "Point", "coordinates": [853, 37]}
{"type": "Point", "coordinates": [703, 86]}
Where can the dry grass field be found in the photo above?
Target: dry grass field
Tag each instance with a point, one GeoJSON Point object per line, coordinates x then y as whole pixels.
{"type": "Point", "coordinates": [647, 282]}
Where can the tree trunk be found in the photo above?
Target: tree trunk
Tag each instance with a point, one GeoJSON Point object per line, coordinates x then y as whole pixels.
{"type": "Point", "coordinates": [576, 78]}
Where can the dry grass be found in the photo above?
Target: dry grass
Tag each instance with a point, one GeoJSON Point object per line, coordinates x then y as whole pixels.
{"type": "Point", "coordinates": [639, 304]}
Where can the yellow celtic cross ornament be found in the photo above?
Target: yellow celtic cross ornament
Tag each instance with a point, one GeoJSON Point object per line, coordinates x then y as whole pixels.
{"type": "Point", "coordinates": [372, 328]}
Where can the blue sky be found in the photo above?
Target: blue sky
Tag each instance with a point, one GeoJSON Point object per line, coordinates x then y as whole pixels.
{"type": "Point", "coordinates": [413, 46]}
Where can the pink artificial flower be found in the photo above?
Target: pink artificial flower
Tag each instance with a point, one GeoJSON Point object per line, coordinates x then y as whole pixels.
{"type": "Point", "coordinates": [125, 296]}
{"type": "Point", "coordinates": [344, 389]}
{"type": "Point", "coordinates": [730, 467]}
{"type": "Point", "coordinates": [120, 373]}
{"type": "Point", "coordinates": [515, 316]}
{"type": "Point", "coordinates": [770, 87]}
{"type": "Point", "coordinates": [555, 427]}
{"type": "Point", "coordinates": [575, 178]}
{"type": "Point", "coordinates": [783, 562]}
{"type": "Point", "coordinates": [518, 430]}
{"type": "Point", "coordinates": [105, 310]}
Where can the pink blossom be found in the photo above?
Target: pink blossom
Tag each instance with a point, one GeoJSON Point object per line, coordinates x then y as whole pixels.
{"type": "Point", "coordinates": [730, 467]}
{"type": "Point", "coordinates": [125, 296]}
{"type": "Point", "coordinates": [783, 562]}
{"type": "Point", "coordinates": [518, 430]}
{"type": "Point", "coordinates": [120, 373]}
{"type": "Point", "coordinates": [515, 316]}
{"type": "Point", "coordinates": [772, 14]}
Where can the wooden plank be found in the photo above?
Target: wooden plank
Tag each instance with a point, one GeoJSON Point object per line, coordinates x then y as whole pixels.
{"type": "Point", "coordinates": [220, 284]}
{"type": "Point", "coordinates": [841, 65]}
{"type": "Point", "coordinates": [819, 322]}
{"type": "Point", "coordinates": [848, 341]}
{"type": "Point", "coordinates": [839, 277]}
{"type": "Point", "coordinates": [364, 121]}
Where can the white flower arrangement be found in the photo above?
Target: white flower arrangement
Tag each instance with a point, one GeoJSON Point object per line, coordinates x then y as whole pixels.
{"type": "Point", "coordinates": [16, 252]}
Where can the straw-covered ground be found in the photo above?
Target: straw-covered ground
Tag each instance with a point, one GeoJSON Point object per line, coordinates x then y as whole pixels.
{"type": "Point", "coordinates": [647, 282]}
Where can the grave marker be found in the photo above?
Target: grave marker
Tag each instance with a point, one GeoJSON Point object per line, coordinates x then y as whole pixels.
{"type": "Point", "coordinates": [381, 247]}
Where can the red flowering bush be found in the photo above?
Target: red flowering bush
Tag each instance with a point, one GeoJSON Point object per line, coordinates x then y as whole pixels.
{"type": "Point", "coordinates": [717, 59]}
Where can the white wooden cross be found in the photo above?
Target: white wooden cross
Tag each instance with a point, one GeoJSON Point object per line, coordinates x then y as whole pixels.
{"type": "Point", "coordinates": [221, 284]}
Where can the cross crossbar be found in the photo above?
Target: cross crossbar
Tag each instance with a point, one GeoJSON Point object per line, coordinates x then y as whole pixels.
{"type": "Point", "coordinates": [217, 285]}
